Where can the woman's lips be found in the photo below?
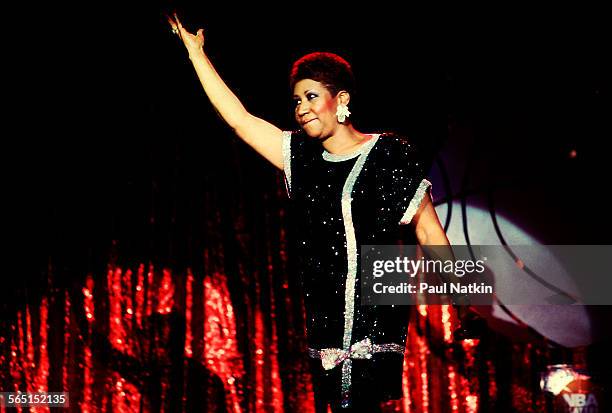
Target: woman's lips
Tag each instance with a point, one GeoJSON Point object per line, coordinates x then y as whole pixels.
{"type": "Point", "coordinates": [307, 122]}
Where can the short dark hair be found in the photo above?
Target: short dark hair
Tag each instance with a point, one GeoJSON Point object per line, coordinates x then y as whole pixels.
{"type": "Point", "coordinates": [331, 70]}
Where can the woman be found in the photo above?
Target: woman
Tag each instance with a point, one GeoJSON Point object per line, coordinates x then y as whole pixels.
{"type": "Point", "coordinates": [347, 189]}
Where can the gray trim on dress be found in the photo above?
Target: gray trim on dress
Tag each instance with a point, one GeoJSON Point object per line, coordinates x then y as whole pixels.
{"type": "Point", "coordinates": [332, 157]}
{"type": "Point", "coordinates": [415, 202]}
{"type": "Point", "coordinates": [287, 160]}
{"type": "Point", "coordinates": [351, 252]}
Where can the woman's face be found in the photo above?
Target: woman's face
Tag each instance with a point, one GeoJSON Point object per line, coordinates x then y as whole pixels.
{"type": "Point", "coordinates": [315, 108]}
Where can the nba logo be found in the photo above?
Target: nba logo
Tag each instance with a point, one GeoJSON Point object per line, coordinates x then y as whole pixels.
{"type": "Point", "coordinates": [580, 402]}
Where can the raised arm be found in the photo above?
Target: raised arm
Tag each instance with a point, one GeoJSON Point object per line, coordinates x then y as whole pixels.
{"type": "Point", "coordinates": [262, 136]}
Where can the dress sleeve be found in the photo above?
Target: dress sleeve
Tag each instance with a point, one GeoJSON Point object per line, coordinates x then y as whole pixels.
{"type": "Point", "coordinates": [416, 180]}
{"type": "Point", "coordinates": [287, 160]}
{"type": "Point", "coordinates": [405, 180]}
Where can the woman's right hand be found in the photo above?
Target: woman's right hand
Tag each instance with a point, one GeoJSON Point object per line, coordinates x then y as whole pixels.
{"type": "Point", "coordinates": [264, 137]}
{"type": "Point", "coordinates": [194, 43]}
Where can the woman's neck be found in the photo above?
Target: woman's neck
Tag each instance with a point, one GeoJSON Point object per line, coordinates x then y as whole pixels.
{"type": "Point", "coordinates": [345, 140]}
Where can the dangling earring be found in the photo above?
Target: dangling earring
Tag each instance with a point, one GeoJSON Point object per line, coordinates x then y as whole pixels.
{"type": "Point", "coordinates": [342, 112]}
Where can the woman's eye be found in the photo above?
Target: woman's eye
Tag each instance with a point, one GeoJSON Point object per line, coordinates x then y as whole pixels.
{"type": "Point", "coordinates": [296, 102]}
{"type": "Point", "coordinates": [311, 96]}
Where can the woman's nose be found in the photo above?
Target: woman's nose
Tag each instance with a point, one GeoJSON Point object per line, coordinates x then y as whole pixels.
{"type": "Point", "coordinates": [303, 108]}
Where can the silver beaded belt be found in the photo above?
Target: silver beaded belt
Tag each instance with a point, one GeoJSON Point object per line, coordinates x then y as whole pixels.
{"type": "Point", "coordinates": [364, 349]}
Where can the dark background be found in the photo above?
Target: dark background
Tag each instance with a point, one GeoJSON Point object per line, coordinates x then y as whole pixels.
{"type": "Point", "coordinates": [116, 141]}
{"type": "Point", "coordinates": [114, 154]}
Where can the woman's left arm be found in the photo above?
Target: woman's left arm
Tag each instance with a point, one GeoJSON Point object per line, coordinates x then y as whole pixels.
{"type": "Point", "coordinates": [429, 231]}
{"type": "Point", "coordinates": [427, 226]}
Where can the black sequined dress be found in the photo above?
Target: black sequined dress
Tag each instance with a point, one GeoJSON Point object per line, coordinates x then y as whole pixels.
{"type": "Point", "coordinates": [340, 202]}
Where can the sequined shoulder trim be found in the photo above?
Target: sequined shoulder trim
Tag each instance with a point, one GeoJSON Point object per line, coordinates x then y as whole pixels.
{"type": "Point", "coordinates": [287, 160]}
{"type": "Point", "coordinates": [415, 202]}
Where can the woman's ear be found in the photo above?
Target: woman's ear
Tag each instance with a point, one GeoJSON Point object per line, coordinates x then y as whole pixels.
{"type": "Point", "coordinates": [343, 97]}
